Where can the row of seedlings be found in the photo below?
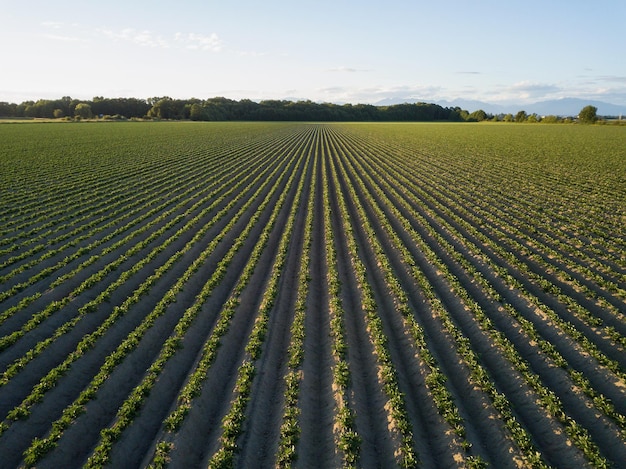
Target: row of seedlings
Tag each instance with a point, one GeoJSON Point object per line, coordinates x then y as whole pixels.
{"type": "Point", "coordinates": [233, 421]}
{"type": "Point", "coordinates": [194, 190]}
{"type": "Point", "coordinates": [519, 218]}
{"type": "Point", "coordinates": [122, 278]}
{"type": "Point", "coordinates": [547, 398]}
{"type": "Point", "coordinates": [434, 379]}
{"type": "Point", "coordinates": [517, 236]}
{"type": "Point", "coordinates": [399, 422]}
{"type": "Point", "coordinates": [583, 384]}
{"type": "Point", "coordinates": [41, 446]}
{"type": "Point", "coordinates": [286, 454]}
{"type": "Point", "coordinates": [194, 384]}
{"type": "Point", "coordinates": [347, 440]}
{"type": "Point", "coordinates": [132, 340]}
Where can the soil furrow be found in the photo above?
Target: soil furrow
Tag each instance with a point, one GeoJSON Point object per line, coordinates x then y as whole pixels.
{"type": "Point", "coordinates": [259, 441]}
{"type": "Point", "coordinates": [495, 362]}
{"type": "Point", "coordinates": [136, 439]}
{"type": "Point", "coordinates": [216, 392]}
{"type": "Point", "coordinates": [368, 400]}
{"type": "Point", "coordinates": [433, 445]}
{"type": "Point", "coordinates": [316, 448]}
{"type": "Point", "coordinates": [473, 404]}
{"type": "Point", "coordinates": [570, 350]}
{"type": "Point", "coordinates": [73, 337]}
{"type": "Point", "coordinates": [119, 385]}
{"type": "Point", "coordinates": [460, 298]}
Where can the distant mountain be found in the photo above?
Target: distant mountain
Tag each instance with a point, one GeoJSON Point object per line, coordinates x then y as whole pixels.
{"type": "Point", "coordinates": [467, 104]}
{"type": "Point", "coordinates": [473, 105]}
{"type": "Point", "coordinates": [572, 106]}
{"type": "Point", "coordinates": [557, 107]}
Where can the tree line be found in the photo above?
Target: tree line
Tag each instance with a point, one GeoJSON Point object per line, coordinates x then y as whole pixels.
{"type": "Point", "coordinates": [224, 109]}
{"type": "Point", "coordinates": [67, 107]}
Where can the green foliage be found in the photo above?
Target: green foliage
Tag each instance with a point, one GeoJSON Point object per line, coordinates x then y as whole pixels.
{"type": "Point", "coordinates": [83, 110]}
{"type": "Point", "coordinates": [492, 216]}
{"type": "Point", "coordinates": [223, 109]}
{"type": "Point", "coordinates": [196, 112]}
{"type": "Point", "coordinates": [551, 119]}
{"type": "Point", "coordinates": [521, 116]}
{"type": "Point", "coordinates": [587, 115]}
{"type": "Point", "coordinates": [477, 116]}
{"type": "Point", "coordinates": [534, 118]}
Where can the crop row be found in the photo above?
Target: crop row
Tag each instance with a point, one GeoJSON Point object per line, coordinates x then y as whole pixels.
{"type": "Point", "coordinates": [297, 295]}
{"type": "Point", "coordinates": [548, 348]}
{"type": "Point", "coordinates": [133, 403]}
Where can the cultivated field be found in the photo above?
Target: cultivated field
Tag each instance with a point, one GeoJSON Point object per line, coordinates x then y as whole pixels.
{"type": "Point", "coordinates": [315, 295]}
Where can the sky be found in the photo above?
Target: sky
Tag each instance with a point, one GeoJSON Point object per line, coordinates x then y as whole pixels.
{"type": "Point", "coordinates": [338, 51]}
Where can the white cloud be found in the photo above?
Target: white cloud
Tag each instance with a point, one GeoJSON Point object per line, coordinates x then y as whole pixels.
{"type": "Point", "coordinates": [58, 37]}
{"type": "Point", "coordinates": [379, 93]}
{"type": "Point", "coordinates": [76, 34]}
{"type": "Point", "coordinates": [143, 38]}
{"type": "Point", "coordinates": [195, 41]}
{"type": "Point", "coordinates": [521, 92]}
{"type": "Point", "coordinates": [529, 90]}
{"type": "Point", "coordinates": [52, 24]}
{"type": "Point", "coordinates": [613, 78]}
{"type": "Point", "coordinates": [146, 38]}
{"type": "Point", "coordinates": [348, 69]}
{"type": "Point", "coordinates": [243, 53]}
{"type": "Point", "coordinates": [603, 88]}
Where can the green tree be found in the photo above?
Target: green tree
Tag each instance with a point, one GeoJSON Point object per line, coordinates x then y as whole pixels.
{"type": "Point", "coordinates": [58, 113]}
{"type": "Point", "coordinates": [196, 112]}
{"type": "Point", "coordinates": [43, 108]}
{"type": "Point", "coordinates": [534, 118]}
{"type": "Point", "coordinates": [65, 105]}
{"type": "Point", "coordinates": [477, 116]}
{"type": "Point", "coordinates": [8, 109]}
{"type": "Point", "coordinates": [164, 108]}
{"type": "Point", "coordinates": [587, 115]}
{"type": "Point", "coordinates": [83, 110]}
{"type": "Point", "coordinates": [521, 116]}
{"type": "Point", "coordinates": [551, 119]}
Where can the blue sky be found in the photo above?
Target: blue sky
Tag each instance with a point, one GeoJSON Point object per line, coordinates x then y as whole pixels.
{"type": "Point", "coordinates": [335, 51]}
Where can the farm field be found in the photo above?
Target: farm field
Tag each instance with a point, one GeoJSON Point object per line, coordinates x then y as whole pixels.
{"type": "Point", "coordinates": [312, 295]}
